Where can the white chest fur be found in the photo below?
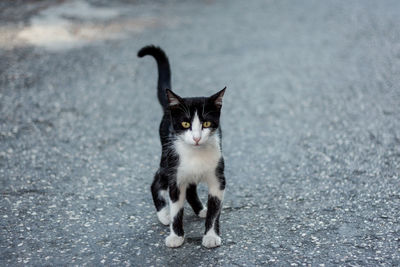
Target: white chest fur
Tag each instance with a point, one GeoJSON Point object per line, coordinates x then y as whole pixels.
{"type": "Point", "coordinates": [197, 163]}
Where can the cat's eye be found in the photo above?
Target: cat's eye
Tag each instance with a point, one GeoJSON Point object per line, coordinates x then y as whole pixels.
{"type": "Point", "coordinates": [185, 124]}
{"type": "Point", "coordinates": [206, 124]}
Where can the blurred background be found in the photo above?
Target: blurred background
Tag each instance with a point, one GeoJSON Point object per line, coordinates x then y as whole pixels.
{"type": "Point", "coordinates": [310, 123]}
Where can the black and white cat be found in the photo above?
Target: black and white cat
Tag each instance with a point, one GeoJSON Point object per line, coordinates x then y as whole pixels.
{"type": "Point", "coordinates": [191, 153]}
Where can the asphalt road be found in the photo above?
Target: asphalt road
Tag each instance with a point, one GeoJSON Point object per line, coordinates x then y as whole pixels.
{"type": "Point", "coordinates": [311, 125]}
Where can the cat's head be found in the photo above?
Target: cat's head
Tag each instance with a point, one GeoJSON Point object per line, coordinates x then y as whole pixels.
{"type": "Point", "coordinates": [195, 119]}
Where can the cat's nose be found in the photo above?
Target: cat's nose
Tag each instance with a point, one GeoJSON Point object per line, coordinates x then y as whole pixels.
{"type": "Point", "coordinates": [196, 139]}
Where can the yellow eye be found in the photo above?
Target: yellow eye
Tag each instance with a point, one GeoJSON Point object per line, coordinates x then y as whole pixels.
{"type": "Point", "coordinates": [185, 124]}
{"type": "Point", "coordinates": [206, 124]}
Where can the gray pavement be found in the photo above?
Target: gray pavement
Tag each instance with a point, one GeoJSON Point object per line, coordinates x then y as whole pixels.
{"type": "Point", "coordinates": [310, 121]}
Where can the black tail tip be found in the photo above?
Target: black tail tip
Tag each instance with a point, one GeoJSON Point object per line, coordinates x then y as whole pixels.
{"type": "Point", "coordinates": [148, 50]}
{"type": "Point", "coordinates": [141, 52]}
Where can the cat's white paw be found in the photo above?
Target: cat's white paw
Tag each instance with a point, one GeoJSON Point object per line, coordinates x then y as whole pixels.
{"type": "Point", "coordinates": [174, 241]}
{"type": "Point", "coordinates": [211, 240]}
{"type": "Point", "coordinates": [163, 216]}
{"type": "Point", "coordinates": [203, 213]}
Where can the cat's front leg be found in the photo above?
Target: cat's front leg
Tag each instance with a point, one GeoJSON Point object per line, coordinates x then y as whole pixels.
{"type": "Point", "coordinates": [216, 188]}
{"type": "Point", "coordinates": [177, 198]}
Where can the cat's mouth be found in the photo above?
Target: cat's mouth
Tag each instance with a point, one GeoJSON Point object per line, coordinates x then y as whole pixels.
{"type": "Point", "coordinates": [196, 145]}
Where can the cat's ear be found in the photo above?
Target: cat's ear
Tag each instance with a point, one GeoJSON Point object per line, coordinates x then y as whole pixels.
{"type": "Point", "coordinates": [217, 98]}
{"type": "Point", "coordinates": [173, 99]}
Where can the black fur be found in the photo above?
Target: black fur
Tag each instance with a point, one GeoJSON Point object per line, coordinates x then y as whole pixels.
{"type": "Point", "coordinates": [213, 212]}
{"type": "Point", "coordinates": [193, 198]}
{"type": "Point", "coordinates": [219, 172]}
{"type": "Point", "coordinates": [164, 72]}
{"type": "Point", "coordinates": [157, 185]}
{"type": "Point", "coordinates": [177, 224]}
{"type": "Point", "coordinates": [176, 110]}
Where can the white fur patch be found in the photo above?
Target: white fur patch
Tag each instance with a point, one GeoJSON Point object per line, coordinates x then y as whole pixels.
{"type": "Point", "coordinates": [197, 163]}
{"type": "Point", "coordinates": [196, 127]}
{"type": "Point", "coordinates": [175, 207]}
{"type": "Point", "coordinates": [203, 213]}
{"type": "Point", "coordinates": [174, 241]}
{"type": "Point", "coordinates": [163, 216]}
{"type": "Point", "coordinates": [211, 239]}
{"type": "Point", "coordinates": [164, 195]}
{"type": "Point", "coordinates": [214, 188]}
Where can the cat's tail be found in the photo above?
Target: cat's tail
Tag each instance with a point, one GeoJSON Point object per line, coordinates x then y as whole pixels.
{"type": "Point", "coordinates": [164, 72]}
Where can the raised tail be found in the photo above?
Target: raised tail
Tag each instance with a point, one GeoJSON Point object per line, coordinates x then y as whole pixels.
{"type": "Point", "coordinates": [164, 72]}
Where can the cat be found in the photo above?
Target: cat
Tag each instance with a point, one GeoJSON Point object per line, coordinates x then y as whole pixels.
{"type": "Point", "coordinates": [191, 153]}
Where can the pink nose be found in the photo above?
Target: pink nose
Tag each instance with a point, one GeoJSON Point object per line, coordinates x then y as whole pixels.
{"type": "Point", "coordinates": [196, 139]}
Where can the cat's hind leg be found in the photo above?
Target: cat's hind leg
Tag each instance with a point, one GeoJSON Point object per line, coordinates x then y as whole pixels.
{"type": "Point", "coordinates": [159, 191]}
{"type": "Point", "coordinates": [194, 201]}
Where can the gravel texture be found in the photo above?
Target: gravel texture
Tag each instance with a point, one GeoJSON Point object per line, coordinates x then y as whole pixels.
{"type": "Point", "coordinates": [311, 124]}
